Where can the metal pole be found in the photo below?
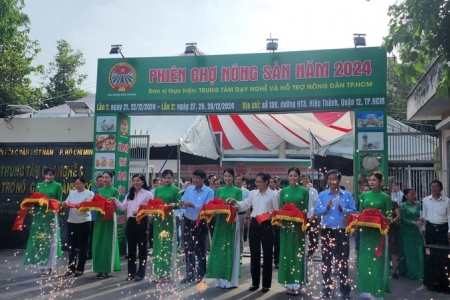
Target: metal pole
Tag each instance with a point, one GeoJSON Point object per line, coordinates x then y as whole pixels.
{"type": "Point", "coordinates": [409, 177]}
{"type": "Point", "coordinates": [178, 166]}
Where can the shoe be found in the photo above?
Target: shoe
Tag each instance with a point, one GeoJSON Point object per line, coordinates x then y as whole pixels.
{"type": "Point", "coordinates": [326, 293]}
{"type": "Point", "coordinates": [293, 292]}
{"type": "Point", "coordinates": [265, 290]}
{"type": "Point", "coordinates": [199, 279]}
{"type": "Point", "coordinates": [253, 288]}
{"type": "Point", "coordinates": [138, 278]}
{"type": "Point", "coordinates": [130, 278]}
{"type": "Point", "coordinates": [187, 280]}
{"type": "Point", "coordinates": [395, 276]}
{"type": "Point", "coordinates": [101, 276]}
{"type": "Point", "coordinates": [346, 296]}
{"type": "Point", "coordinates": [78, 273]}
{"type": "Point", "coordinates": [69, 272]}
{"type": "Point", "coordinates": [276, 266]}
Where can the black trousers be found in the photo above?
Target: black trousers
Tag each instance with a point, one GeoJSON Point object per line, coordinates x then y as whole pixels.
{"type": "Point", "coordinates": [335, 242]}
{"type": "Point", "coordinates": [195, 246]}
{"type": "Point", "coordinates": [78, 234]}
{"type": "Point", "coordinates": [137, 235]}
{"type": "Point", "coordinates": [436, 234]}
{"type": "Point", "coordinates": [276, 244]}
{"type": "Point", "coordinates": [313, 235]}
{"type": "Point", "coordinates": [261, 235]}
{"type": "Point", "coordinates": [91, 234]}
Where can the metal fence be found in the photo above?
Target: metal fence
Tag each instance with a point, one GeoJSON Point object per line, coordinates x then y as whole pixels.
{"type": "Point", "coordinates": [139, 156]}
{"type": "Point", "coordinates": [417, 178]}
{"type": "Point", "coordinates": [414, 147]}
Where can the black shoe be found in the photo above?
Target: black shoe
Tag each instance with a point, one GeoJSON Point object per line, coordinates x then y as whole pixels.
{"type": "Point", "coordinates": [346, 296]}
{"type": "Point", "coordinates": [130, 278]}
{"type": "Point", "coordinates": [326, 293]}
{"type": "Point", "coordinates": [138, 278]}
{"type": "Point", "coordinates": [187, 280]}
{"type": "Point", "coordinates": [265, 290]}
{"type": "Point", "coordinates": [199, 279]}
{"type": "Point", "coordinates": [253, 288]}
{"type": "Point", "coordinates": [69, 272]}
{"type": "Point", "coordinates": [78, 273]}
{"type": "Point", "coordinates": [395, 276]}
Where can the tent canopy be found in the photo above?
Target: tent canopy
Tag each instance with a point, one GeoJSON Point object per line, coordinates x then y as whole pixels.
{"type": "Point", "coordinates": [267, 131]}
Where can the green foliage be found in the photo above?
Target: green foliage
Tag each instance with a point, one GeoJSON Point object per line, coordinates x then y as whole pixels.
{"type": "Point", "coordinates": [420, 31]}
{"type": "Point", "coordinates": [64, 79]}
{"type": "Point", "coordinates": [17, 53]}
{"type": "Point", "coordinates": [397, 91]}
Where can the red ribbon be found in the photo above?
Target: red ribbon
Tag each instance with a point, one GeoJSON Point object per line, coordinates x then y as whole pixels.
{"type": "Point", "coordinates": [154, 206]}
{"type": "Point", "coordinates": [217, 206]}
{"type": "Point", "coordinates": [100, 204]}
{"type": "Point", "coordinates": [290, 212]}
{"type": "Point", "coordinates": [262, 218]}
{"type": "Point", "coordinates": [370, 218]}
{"type": "Point", "coordinates": [52, 205]}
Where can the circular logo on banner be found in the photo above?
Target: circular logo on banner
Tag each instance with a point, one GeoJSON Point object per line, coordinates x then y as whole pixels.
{"type": "Point", "coordinates": [241, 169]}
{"type": "Point", "coordinates": [124, 127]}
{"type": "Point", "coordinates": [122, 77]}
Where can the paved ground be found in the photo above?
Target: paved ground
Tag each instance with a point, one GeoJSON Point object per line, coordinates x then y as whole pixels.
{"type": "Point", "coordinates": [18, 283]}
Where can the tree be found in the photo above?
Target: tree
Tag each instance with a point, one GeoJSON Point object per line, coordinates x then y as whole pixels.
{"type": "Point", "coordinates": [420, 31]}
{"type": "Point", "coordinates": [64, 79]}
{"type": "Point", "coordinates": [17, 53]}
{"type": "Point", "coordinates": [397, 91]}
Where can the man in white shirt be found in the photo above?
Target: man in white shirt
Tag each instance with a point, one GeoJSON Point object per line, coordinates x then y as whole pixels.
{"type": "Point", "coordinates": [243, 221]}
{"type": "Point", "coordinates": [436, 214]}
{"type": "Point", "coordinates": [313, 229]}
{"type": "Point", "coordinates": [397, 194]}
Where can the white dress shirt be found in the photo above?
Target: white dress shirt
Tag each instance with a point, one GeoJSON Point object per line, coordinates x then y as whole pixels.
{"type": "Point", "coordinates": [397, 197]}
{"type": "Point", "coordinates": [313, 196]}
{"type": "Point", "coordinates": [262, 203]}
{"type": "Point", "coordinates": [132, 206]}
{"type": "Point", "coordinates": [436, 211]}
{"type": "Point", "coordinates": [76, 197]}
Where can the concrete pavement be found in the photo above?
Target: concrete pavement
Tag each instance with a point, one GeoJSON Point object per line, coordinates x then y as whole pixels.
{"type": "Point", "coordinates": [16, 282]}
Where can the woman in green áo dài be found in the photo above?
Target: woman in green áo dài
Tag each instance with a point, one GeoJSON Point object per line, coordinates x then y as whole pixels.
{"type": "Point", "coordinates": [412, 241]}
{"type": "Point", "coordinates": [165, 231]}
{"type": "Point", "coordinates": [105, 245]}
{"type": "Point", "coordinates": [292, 272]}
{"type": "Point", "coordinates": [224, 257]}
{"type": "Point", "coordinates": [44, 242]}
{"type": "Point", "coordinates": [373, 271]}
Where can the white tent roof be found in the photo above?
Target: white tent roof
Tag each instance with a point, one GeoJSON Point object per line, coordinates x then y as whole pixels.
{"type": "Point", "coordinates": [400, 147]}
{"type": "Point", "coordinates": [267, 131]}
{"type": "Point", "coordinates": [192, 133]}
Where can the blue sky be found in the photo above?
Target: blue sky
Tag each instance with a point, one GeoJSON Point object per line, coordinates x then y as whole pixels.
{"type": "Point", "coordinates": [148, 28]}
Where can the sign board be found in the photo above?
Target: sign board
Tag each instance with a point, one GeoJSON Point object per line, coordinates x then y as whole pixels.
{"type": "Point", "coordinates": [320, 80]}
{"type": "Point", "coordinates": [22, 168]}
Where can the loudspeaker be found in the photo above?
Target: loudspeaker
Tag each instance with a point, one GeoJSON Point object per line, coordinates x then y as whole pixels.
{"type": "Point", "coordinates": [436, 259]}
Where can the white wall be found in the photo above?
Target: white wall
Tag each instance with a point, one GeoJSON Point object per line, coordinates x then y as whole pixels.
{"type": "Point", "coordinates": [47, 130]}
{"type": "Point", "coordinates": [445, 134]}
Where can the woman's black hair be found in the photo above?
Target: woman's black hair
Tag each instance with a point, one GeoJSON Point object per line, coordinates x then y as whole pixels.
{"type": "Point", "coordinates": [80, 178]}
{"type": "Point", "coordinates": [264, 176]}
{"type": "Point", "coordinates": [406, 192]}
{"type": "Point", "coordinates": [50, 170]}
{"type": "Point", "coordinates": [378, 175]}
{"type": "Point", "coordinates": [132, 191]}
{"type": "Point", "coordinates": [110, 173]}
{"type": "Point", "coordinates": [218, 179]}
{"type": "Point", "coordinates": [295, 169]}
{"type": "Point", "coordinates": [166, 172]}
{"type": "Point", "coordinates": [228, 170]}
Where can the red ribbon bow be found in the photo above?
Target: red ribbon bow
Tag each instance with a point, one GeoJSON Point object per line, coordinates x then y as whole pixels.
{"type": "Point", "coordinates": [290, 212]}
{"type": "Point", "coordinates": [52, 205]}
{"type": "Point", "coordinates": [156, 207]}
{"type": "Point", "coordinates": [217, 206]}
{"type": "Point", "coordinates": [100, 204]}
{"type": "Point", "coordinates": [370, 218]}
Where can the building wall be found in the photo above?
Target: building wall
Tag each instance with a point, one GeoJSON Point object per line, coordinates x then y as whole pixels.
{"type": "Point", "coordinates": [444, 176]}
{"type": "Point", "coordinates": [47, 130]}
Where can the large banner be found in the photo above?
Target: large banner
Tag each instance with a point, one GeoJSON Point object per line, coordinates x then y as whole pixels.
{"type": "Point", "coordinates": [22, 168]}
{"type": "Point", "coordinates": [320, 80]}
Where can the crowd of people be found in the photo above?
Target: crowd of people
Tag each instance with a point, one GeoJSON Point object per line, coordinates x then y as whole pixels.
{"type": "Point", "coordinates": [286, 245]}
